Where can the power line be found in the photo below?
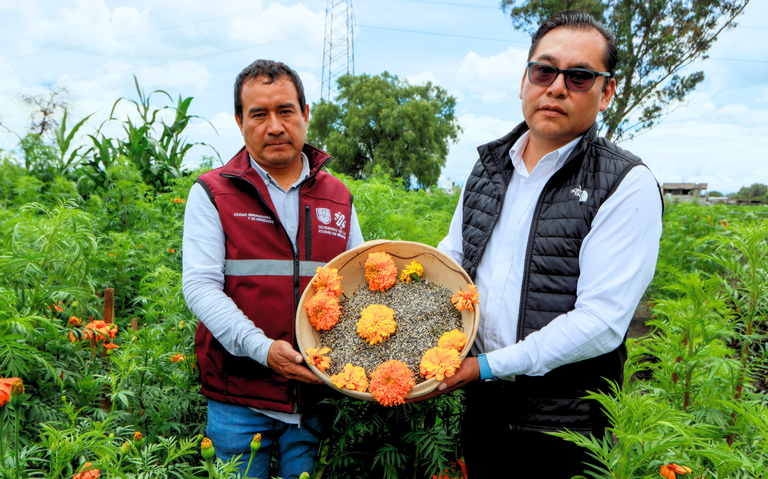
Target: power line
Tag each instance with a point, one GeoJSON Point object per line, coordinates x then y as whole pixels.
{"type": "Point", "coordinates": [444, 34]}
{"type": "Point", "coordinates": [738, 60]}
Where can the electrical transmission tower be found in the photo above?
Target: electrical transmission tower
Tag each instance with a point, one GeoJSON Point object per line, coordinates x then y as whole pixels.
{"type": "Point", "coordinates": [338, 50]}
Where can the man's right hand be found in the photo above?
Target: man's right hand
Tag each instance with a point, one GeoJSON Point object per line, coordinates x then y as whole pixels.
{"type": "Point", "coordinates": [286, 361]}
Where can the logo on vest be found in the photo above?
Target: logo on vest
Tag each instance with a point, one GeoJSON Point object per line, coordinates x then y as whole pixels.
{"type": "Point", "coordinates": [341, 220]}
{"type": "Point", "coordinates": [255, 217]}
{"type": "Point", "coordinates": [582, 195]}
{"type": "Point", "coordinates": [323, 215]}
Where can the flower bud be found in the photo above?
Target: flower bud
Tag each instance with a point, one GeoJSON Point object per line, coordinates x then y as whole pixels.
{"type": "Point", "coordinates": [304, 475]}
{"type": "Point", "coordinates": [125, 448]}
{"type": "Point", "coordinates": [256, 444]}
{"type": "Point", "coordinates": [138, 439]}
{"type": "Point", "coordinates": [206, 449]}
{"type": "Point", "coordinates": [17, 392]}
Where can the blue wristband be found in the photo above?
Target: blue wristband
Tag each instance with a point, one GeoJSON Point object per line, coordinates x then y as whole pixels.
{"type": "Point", "coordinates": [485, 369]}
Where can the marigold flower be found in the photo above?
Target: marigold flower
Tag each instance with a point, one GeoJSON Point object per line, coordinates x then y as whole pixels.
{"type": "Point", "coordinates": [171, 250]}
{"type": "Point", "coordinates": [391, 382]}
{"type": "Point", "coordinates": [439, 363]}
{"type": "Point", "coordinates": [327, 279]}
{"type": "Point", "coordinates": [465, 299]}
{"type": "Point", "coordinates": [668, 470]}
{"type": "Point", "coordinates": [323, 310]}
{"type": "Point", "coordinates": [256, 443]}
{"type": "Point", "coordinates": [206, 449]}
{"type": "Point", "coordinates": [8, 387]}
{"type": "Point", "coordinates": [724, 223]}
{"type": "Point", "coordinates": [315, 358]}
{"type": "Point", "coordinates": [406, 275]}
{"type": "Point", "coordinates": [380, 271]}
{"type": "Point", "coordinates": [178, 358]}
{"type": "Point", "coordinates": [376, 323]}
{"type": "Point", "coordinates": [101, 330]}
{"type": "Point", "coordinates": [179, 200]}
{"type": "Point", "coordinates": [89, 474]}
{"type": "Point", "coordinates": [57, 307]}
{"type": "Point", "coordinates": [353, 377]}
{"type": "Point", "coordinates": [84, 334]}
{"type": "Point", "coordinates": [454, 339]}
{"type": "Point", "coordinates": [75, 321]}
{"type": "Point", "coordinates": [111, 345]}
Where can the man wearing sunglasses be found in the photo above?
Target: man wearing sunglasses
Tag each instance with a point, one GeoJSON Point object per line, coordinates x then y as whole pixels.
{"type": "Point", "coordinates": [559, 229]}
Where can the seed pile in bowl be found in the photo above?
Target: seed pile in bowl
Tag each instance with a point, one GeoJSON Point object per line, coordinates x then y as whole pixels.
{"type": "Point", "coordinates": [423, 312]}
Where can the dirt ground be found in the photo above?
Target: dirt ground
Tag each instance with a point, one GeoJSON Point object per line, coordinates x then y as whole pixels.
{"type": "Point", "coordinates": [638, 328]}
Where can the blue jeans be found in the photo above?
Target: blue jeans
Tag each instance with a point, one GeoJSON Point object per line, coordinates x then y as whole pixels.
{"type": "Point", "coordinates": [231, 429]}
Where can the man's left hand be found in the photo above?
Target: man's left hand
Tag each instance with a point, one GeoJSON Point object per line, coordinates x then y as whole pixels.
{"type": "Point", "coordinates": [468, 372]}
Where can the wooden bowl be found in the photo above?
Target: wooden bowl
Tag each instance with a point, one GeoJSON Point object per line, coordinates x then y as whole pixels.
{"type": "Point", "coordinates": [439, 268]}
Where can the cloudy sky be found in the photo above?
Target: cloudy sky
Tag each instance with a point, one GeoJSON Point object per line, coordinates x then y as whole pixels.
{"type": "Point", "coordinates": [196, 48]}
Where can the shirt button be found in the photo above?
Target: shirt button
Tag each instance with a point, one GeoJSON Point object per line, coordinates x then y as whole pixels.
{"type": "Point", "coordinates": [495, 298]}
{"type": "Point", "coordinates": [528, 187]}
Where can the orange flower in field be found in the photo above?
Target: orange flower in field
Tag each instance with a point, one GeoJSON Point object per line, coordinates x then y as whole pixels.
{"type": "Point", "coordinates": [177, 358]}
{"type": "Point", "coordinates": [328, 280]}
{"type": "Point", "coordinates": [668, 470]}
{"type": "Point", "coordinates": [380, 271]}
{"type": "Point", "coordinates": [376, 323]}
{"type": "Point", "coordinates": [111, 345]}
{"type": "Point", "coordinates": [465, 299]}
{"type": "Point", "coordinates": [179, 200]}
{"type": "Point", "coordinates": [353, 377]}
{"type": "Point", "coordinates": [89, 474]}
{"type": "Point", "coordinates": [452, 340]}
{"type": "Point", "coordinates": [75, 321]}
{"type": "Point", "coordinates": [57, 307]}
{"type": "Point", "coordinates": [439, 363]}
{"type": "Point", "coordinates": [391, 382]}
{"type": "Point", "coordinates": [83, 336]}
{"type": "Point", "coordinates": [315, 358]}
{"type": "Point", "coordinates": [323, 310]}
{"type": "Point", "coordinates": [724, 223]}
{"type": "Point", "coordinates": [101, 330]}
{"type": "Point", "coordinates": [171, 250]}
{"type": "Point", "coordinates": [8, 384]}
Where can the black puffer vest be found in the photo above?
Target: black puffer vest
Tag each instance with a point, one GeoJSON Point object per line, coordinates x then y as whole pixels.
{"type": "Point", "coordinates": [562, 219]}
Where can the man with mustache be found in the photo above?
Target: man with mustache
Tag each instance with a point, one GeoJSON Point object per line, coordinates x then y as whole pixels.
{"type": "Point", "coordinates": [255, 231]}
{"type": "Point", "coordinates": [559, 229]}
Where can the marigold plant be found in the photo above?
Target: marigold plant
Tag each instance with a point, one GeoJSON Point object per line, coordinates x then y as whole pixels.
{"type": "Point", "coordinates": [454, 339]}
{"type": "Point", "coordinates": [315, 357]}
{"type": "Point", "coordinates": [353, 377]}
{"type": "Point", "coordinates": [177, 358]}
{"type": "Point", "coordinates": [391, 382]}
{"type": "Point", "coordinates": [376, 323]}
{"type": "Point", "coordinates": [327, 279]}
{"type": "Point", "coordinates": [380, 271]}
{"type": "Point", "coordinates": [323, 310]}
{"type": "Point", "coordinates": [101, 330]}
{"type": "Point", "coordinates": [465, 299]}
{"type": "Point", "coordinates": [439, 363]}
{"type": "Point", "coordinates": [406, 275]}
{"type": "Point", "coordinates": [89, 474]}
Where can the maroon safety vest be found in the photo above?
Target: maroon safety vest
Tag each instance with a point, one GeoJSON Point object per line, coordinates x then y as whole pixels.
{"type": "Point", "coordinates": [265, 277]}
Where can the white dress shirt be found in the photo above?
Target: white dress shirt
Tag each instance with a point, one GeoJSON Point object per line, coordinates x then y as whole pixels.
{"type": "Point", "coordinates": [617, 261]}
{"type": "Point", "coordinates": [203, 260]}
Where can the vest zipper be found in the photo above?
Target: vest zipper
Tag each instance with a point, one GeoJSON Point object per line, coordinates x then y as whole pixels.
{"type": "Point", "coordinates": [307, 234]}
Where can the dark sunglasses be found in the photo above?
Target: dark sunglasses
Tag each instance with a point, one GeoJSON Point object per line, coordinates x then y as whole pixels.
{"type": "Point", "coordinates": [576, 79]}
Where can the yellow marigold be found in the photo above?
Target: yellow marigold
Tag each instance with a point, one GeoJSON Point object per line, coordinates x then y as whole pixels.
{"type": "Point", "coordinates": [465, 299]}
{"type": "Point", "coordinates": [353, 377]}
{"type": "Point", "coordinates": [414, 268]}
{"type": "Point", "coordinates": [724, 223]}
{"type": "Point", "coordinates": [315, 358]}
{"type": "Point", "coordinates": [323, 310]}
{"type": "Point", "coordinates": [439, 363]}
{"type": "Point", "coordinates": [327, 279]}
{"type": "Point", "coordinates": [376, 323]}
{"type": "Point", "coordinates": [380, 271]}
{"type": "Point", "coordinates": [452, 340]}
{"type": "Point", "coordinates": [391, 382]}
{"type": "Point", "coordinates": [102, 330]}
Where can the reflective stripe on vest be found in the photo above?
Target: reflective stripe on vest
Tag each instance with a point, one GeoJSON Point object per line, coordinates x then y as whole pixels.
{"type": "Point", "coordinates": [269, 267]}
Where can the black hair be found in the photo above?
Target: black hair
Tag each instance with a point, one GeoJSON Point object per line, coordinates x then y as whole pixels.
{"type": "Point", "coordinates": [272, 71]}
{"type": "Point", "coordinates": [579, 20]}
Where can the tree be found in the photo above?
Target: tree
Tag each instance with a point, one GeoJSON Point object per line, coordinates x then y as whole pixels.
{"type": "Point", "coordinates": [656, 40]}
{"type": "Point", "coordinates": [756, 191]}
{"type": "Point", "coordinates": [381, 121]}
{"type": "Point", "coordinates": [715, 194]}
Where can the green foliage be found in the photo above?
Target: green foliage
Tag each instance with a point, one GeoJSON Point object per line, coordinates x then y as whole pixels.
{"type": "Point", "coordinates": [656, 41]}
{"type": "Point", "coordinates": [756, 191]}
{"type": "Point", "coordinates": [382, 121]}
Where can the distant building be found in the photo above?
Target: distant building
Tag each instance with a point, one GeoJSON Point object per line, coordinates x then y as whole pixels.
{"type": "Point", "coordinates": [686, 192]}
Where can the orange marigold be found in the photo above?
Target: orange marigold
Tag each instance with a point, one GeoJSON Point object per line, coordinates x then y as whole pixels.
{"type": "Point", "coordinates": [668, 470]}
{"type": "Point", "coordinates": [323, 310]}
{"type": "Point", "coordinates": [83, 336]}
{"type": "Point", "coordinates": [454, 339]}
{"type": "Point", "coordinates": [315, 358]}
{"type": "Point", "coordinates": [391, 382]}
{"type": "Point", "coordinates": [439, 363]}
{"type": "Point", "coordinates": [101, 330]}
{"type": "Point", "coordinates": [111, 345]}
{"type": "Point", "coordinates": [376, 323]}
{"type": "Point", "coordinates": [380, 271]}
{"type": "Point", "coordinates": [75, 321]}
{"type": "Point", "coordinates": [724, 223]}
{"type": "Point", "coordinates": [353, 377]}
{"type": "Point", "coordinates": [327, 279]}
{"type": "Point", "coordinates": [89, 474]}
{"type": "Point", "coordinates": [465, 299]}
{"type": "Point", "coordinates": [177, 358]}
{"type": "Point", "coordinates": [5, 389]}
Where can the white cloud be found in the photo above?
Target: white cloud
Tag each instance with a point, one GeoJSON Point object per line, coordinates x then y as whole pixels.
{"type": "Point", "coordinates": [276, 22]}
{"type": "Point", "coordinates": [493, 79]}
{"type": "Point", "coordinates": [422, 78]}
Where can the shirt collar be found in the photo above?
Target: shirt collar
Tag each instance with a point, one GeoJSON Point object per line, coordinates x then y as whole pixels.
{"type": "Point", "coordinates": [551, 161]}
{"type": "Point", "coordinates": [268, 178]}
